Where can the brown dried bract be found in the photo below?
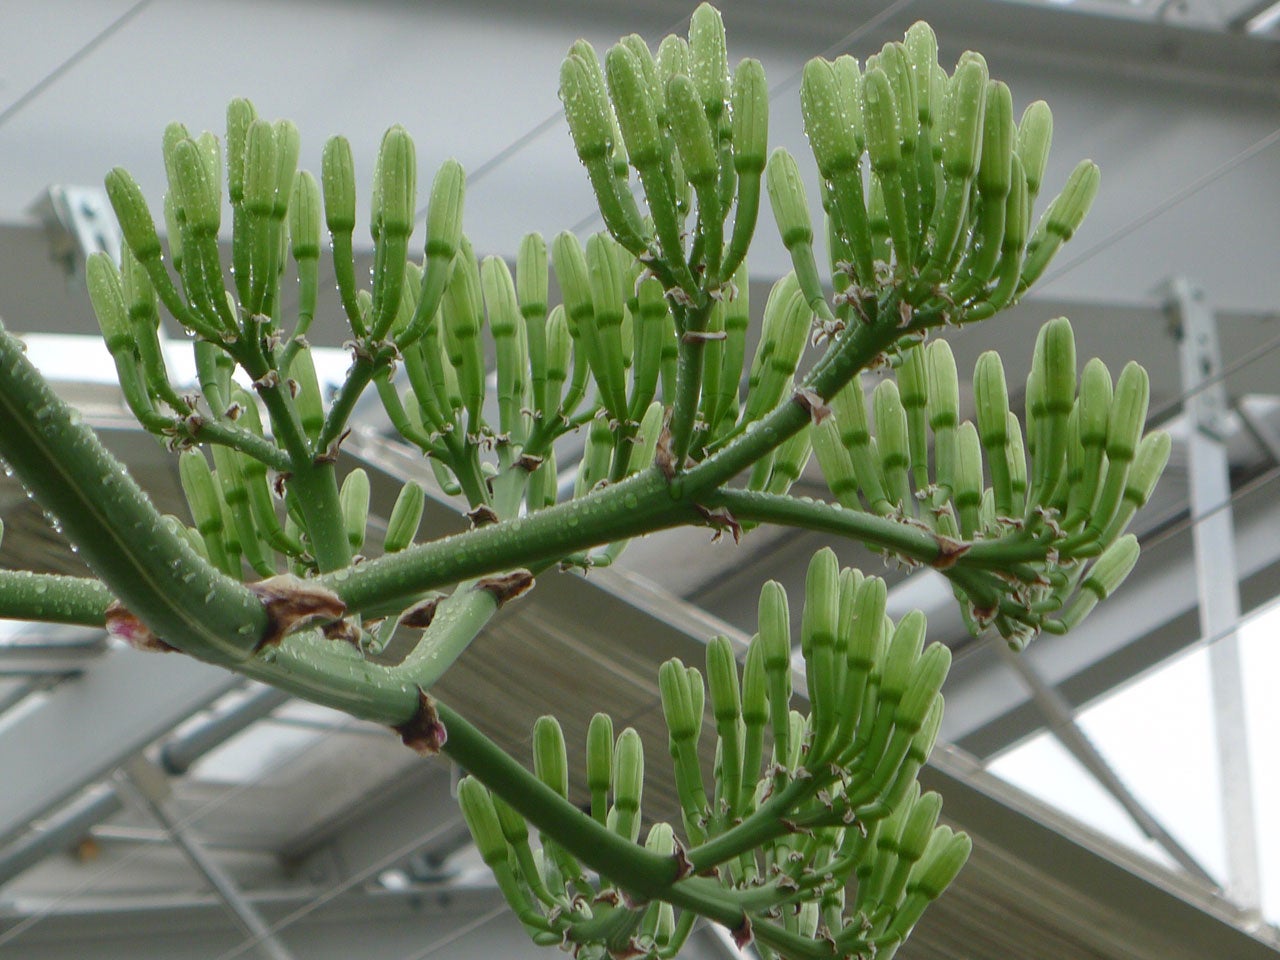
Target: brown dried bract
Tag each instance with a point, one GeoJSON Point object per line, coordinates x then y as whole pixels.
{"type": "Point", "coordinates": [420, 615]}
{"type": "Point", "coordinates": [291, 601]}
{"type": "Point", "coordinates": [663, 458]}
{"type": "Point", "coordinates": [949, 551]}
{"type": "Point", "coordinates": [424, 733]}
{"type": "Point", "coordinates": [125, 626]}
{"type": "Point", "coordinates": [742, 934]}
{"type": "Point", "coordinates": [343, 630]}
{"type": "Point", "coordinates": [330, 453]}
{"type": "Point", "coordinates": [813, 403]}
{"type": "Point", "coordinates": [721, 520]}
{"type": "Point", "coordinates": [528, 462]}
{"type": "Point", "coordinates": [684, 866]}
{"type": "Point", "coordinates": [482, 515]}
{"type": "Point", "coordinates": [508, 586]}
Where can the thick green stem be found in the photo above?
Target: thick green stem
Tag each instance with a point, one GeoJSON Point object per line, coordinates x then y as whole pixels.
{"type": "Point", "coordinates": [643, 503]}
{"type": "Point", "coordinates": [117, 530]}
{"type": "Point", "coordinates": [228, 435]}
{"type": "Point", "coordinates": [316, 486]}
{"type": "Point", "coordinates": [638, 870]}
{"type": "Point", "coordinates": [367, 365]}
{"type": "Point", "coordinates": [688, 379]}
{"type": "Point", "coordinates": [639, 504]}
{"type": "Point", "coordinates": [912, 542]}
{"type": "Point", "coordinates": [51, 597]}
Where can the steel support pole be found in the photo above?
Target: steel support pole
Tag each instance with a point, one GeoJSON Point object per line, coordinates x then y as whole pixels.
{"type": "Point", "coordinates": [1062, 724]}
{"type": "Point", "coordinates": [244, 912]}
{"type": "Point", "coordinates": [1206, 407]}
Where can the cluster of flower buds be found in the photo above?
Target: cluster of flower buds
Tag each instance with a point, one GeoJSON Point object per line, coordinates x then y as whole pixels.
{"type": "Point", "coordinates": [928, 184]}
{"type": "Point", "coordinates": [690, 130]}
{"type": "Point", "coordinates": [1059, 495]}
{"type": "Point", "coordinates": [824, 834]}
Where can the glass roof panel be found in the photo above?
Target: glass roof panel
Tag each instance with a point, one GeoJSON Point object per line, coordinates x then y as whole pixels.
{"type": "Point", "coordinates": [1157, 735]}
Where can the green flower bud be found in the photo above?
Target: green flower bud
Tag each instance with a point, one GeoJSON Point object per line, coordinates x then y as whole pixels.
{"type": "Point", "coordinates": [673, 57]}
{"type": "Point", "coordinates": [406, 515]}
{"type": "Point", "coordinates": [304, 217]}
{"type": "Point", "coordinates": [683, 721]}
{"type": "Point", "coordinates": [260, 168]}
{"type": "Point", "coordinates": [197, 192]}
{"type": "Point", "coordinates": [927, 678]}
{"type": "Point", "coordinates": [835, 463]}
{"type": "Point", "coordinates": [750, 118]}
{"type": "Point", "coordinates": [397, 185]}
{"type": "Point", "coordinates": [825, 121]}
{"type": "Point", "coordinates": [1128, 412]}
{"type": "Point", "coordinates": [636, 115]}
{"type": "Point", "coordinates": [709, 59]}
{"type": "Point", "coordinates": [1149, 462]}
{"type": "Point", "coordinates": [288, 146]}
{"type": "Point", "coordinates": [692, 134]}
{"type": "Point", "coordinates": [1061, 220]}
{"type": "Point", "coordinates": [107, 297]}
{"type": "Point", "coordinates": [482, 820]}
{"type": "Point", "coordinates": [902, 658]}
{"type": "Point", "coordinates": [722, 681]}
{"type": "Point", "coordinates": [790, 206]}
{"type": "Point", "coordinates": [775, 643]}
{"type": "Point", "coordinates": [354, 498]}
{"type": "Point", "coordinates": [991, 397]}
{"type": "Point", "coordinates": [550, 763]}
{"type": "Point", "coordinates": [941, 863]}
{"type": "Point", "coordinates": [1035, 134]}
{"type": "Point", "coordinates": [309, 403]}
{"type": "Point", "coordinates": [338, 178]}
{"type": "Point", "coordinates": [133, 215]}
{"type": "Point", "coordinates": [967, 492]}
{"type": "Point", "coordinates": [240, 114]}
{"type": "Point", "coordinates": [967, 103]}
{"type": "Point", "coordinates": [628, 783]}
{"type": "Point", "coordinates": [944, 410]}
{"type": "Point", "coordinates": [892, 442]}
{"type": "Point", "coordinates": [599, 755]}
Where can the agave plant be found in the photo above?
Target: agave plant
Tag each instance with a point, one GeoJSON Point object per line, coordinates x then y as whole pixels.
{"type": "Point", "coordinates": [813, 836]}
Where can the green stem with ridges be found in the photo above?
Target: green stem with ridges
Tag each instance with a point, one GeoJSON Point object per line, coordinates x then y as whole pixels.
{"type": "Point", "coordinates": [53, 597]}
{"type": "Point", "coordinates": [910, 541]}
{"type": "Point", "coordinates": [118, 531]}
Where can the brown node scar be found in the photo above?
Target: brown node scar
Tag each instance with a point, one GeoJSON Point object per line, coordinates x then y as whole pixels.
{"type": "Point", "coordinates": [423, 732]}
{"type": "Point", "coordinates": [742, 934]}
{"type": "Point", "coordinates": [508, 586]}
{"type": "Point", "coordinates": [290, 601]}
{"type": "Point", "coordinates": [684, 866]}
{"type": "Point", "coordinates": [949, 551]}
{"type": "Point", "coordinates": [343, 630]}
{"type": "Point", "coordinates": [528, 462]}
{"type": "Point", "coordinates": [330, 454]}
{"type": "Point", "coordinates": [663, 458]}
{"type": "Point", "coordinates": [127, 627]}
{"type": "Point", "coordinates": [420, 615]}
{"type": "Point", "coordinates": [813, 403]}
{"type": "Point", "coordinates": [268, 380]}
{"type": "Point", "coordinates": [721, 519]}
{"type": "Point", "coordinates": [482, 515]}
